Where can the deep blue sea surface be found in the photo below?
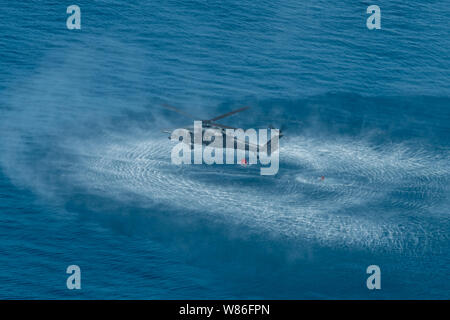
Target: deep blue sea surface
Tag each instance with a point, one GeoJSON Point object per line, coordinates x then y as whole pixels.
{"type": "Point", "coordinates": [86, 176]}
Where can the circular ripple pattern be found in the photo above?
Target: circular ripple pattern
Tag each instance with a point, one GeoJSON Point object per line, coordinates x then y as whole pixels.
{"type": "Point", "coordinates": [296, 203]}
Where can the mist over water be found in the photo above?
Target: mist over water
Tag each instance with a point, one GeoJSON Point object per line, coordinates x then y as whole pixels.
{"type": "Point", "coordinates": [86, 176]}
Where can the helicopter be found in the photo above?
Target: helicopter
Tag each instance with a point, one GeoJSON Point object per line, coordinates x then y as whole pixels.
{"type": "Point", "coordinates": [206, 132]}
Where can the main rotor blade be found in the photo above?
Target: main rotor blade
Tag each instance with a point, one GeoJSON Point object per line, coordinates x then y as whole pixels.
{"type": "Point", "coordinates": [220, 125]}
{"type": "Point", "coordinates": [177, 111]}
{"type": "Point", "coordinates": [229, 113]}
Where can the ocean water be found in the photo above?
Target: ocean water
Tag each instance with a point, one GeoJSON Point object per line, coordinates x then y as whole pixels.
{"type": "Point", "coordinates": [86, 177]}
